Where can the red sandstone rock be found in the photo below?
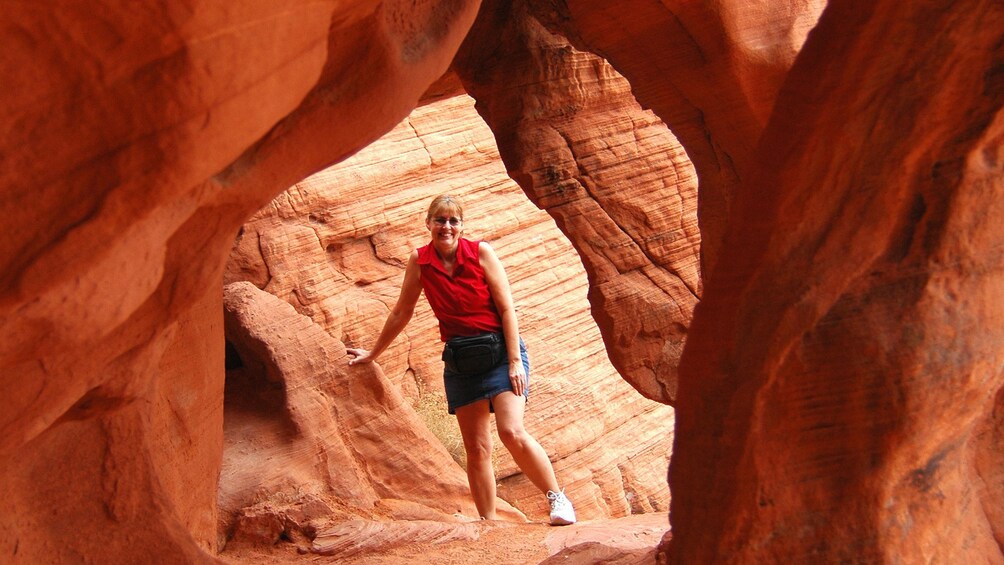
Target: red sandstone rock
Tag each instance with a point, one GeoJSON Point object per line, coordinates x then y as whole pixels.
{"type": "Point", "coordinates": [624, 541]}
{"type": "Point", "coordinates": [840, 395]}
{"type": "Point", "coordinates": [314, 439]}
{"type": "Point", "coordinates": [711, 72]}
{"type": "Point", "coordinates": [348, 539]}
{"type": "Point", "coordinates": [839, 398]}
{"type": "Point", "coordinates": [136, 142]}
{"type": "Point", "coordinates": [614, 178]}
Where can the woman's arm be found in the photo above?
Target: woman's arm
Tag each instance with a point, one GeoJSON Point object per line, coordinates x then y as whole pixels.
{"type": "Point", "coordinates": [498, 285]}
{"type": "Point", "coordinates": [399, 316]}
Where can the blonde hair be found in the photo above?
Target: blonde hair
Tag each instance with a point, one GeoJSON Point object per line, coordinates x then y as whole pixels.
{"type": "Point", "coordinates": [445, 203]}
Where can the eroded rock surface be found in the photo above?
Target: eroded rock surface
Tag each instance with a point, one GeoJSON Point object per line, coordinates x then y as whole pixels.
{"type": "Point", "coordinates": [309, 442]}
{"type": "Point", "coordinates": [840, 396]}
{"type": "Point", "coordinates": [714, 81]}
{"type": "Point", "coordinates": [621, 541]}
{"type": "Point", "coordinates": [614, 178]}
{"type": "Point", "coordinates": [844, 370]}
{"type": "Point", "coordinates": [137, 141]}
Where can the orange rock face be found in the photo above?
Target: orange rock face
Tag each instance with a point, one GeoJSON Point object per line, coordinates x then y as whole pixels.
{"type": "Point", "coordinates": [839, 395]}
{"type": "Point", "coordinates": [137, 142]}
{"type": "Point", "coordinates": [309, 442]}
{"type": "Point", "coordinates": [616, 181]}
{"type": "Point", "coordinates": [842, 380]}
{"type": "Point", "coordinates": [718, 70]}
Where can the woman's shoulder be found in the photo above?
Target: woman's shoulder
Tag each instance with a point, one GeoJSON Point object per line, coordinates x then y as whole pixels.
{"type": "Point", "coordinates": [423, 254]}
{"type": "Point", "coordinates": [474, 243]}
{"type": "Point", "coordinates": [469, 247]}
{"type": "Point", "coordinates": [475, 248]}
{"type": "Point", "coordinates": [485, 252]}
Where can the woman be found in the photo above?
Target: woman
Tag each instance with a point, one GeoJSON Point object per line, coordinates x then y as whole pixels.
{"type": "Point", "coordinates": [468, 290]}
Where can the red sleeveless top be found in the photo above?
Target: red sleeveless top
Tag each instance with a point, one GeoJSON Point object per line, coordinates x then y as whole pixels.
{"type": "Point", "coordinates": [462, 302]}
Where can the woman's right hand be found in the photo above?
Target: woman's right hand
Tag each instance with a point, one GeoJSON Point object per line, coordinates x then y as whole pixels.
{"type": "Point", "coordinates": [358, 356]}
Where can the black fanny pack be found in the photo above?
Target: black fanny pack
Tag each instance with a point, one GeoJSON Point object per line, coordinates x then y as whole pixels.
{"type": "Point", "coordinates": [474, 354]}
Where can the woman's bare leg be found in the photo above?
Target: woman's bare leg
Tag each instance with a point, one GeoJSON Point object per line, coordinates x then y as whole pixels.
{"type": "Point", "coordinates": [528, 454]}
{"type": "Point", "coordinates": [474, 428]}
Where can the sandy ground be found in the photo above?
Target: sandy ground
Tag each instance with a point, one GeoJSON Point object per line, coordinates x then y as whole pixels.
{"type": "Point", "coordinates": [624, 541]}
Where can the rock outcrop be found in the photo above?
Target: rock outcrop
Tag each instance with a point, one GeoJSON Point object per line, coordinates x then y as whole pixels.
{"type": "Point", "coordinates": [839, 393]}
{"type": "Point", "coordinates": [620, 541]}
{"type": "Point", "coordinates": [710, 72]}
{"type": "Point", "coordinates": [334, 246]}
{"type": "Point", "coordinates": [842, 379]}
{"type": "Point", "coordinates": [137, 142]}
{"type": "Point", "coordinates": [310, 443]}
{"type": "Point", "coordinates": [616, 181]}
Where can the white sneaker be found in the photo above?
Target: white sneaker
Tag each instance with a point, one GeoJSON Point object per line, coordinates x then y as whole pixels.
{"type": "Point", "coordinates": [562, 513]}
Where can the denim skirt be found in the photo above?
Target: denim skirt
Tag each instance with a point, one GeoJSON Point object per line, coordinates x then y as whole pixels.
{"type": "Point", "coordinates": [462, 390]}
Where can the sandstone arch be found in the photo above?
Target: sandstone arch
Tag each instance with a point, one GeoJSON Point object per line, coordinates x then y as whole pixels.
{"type": "Point", "coordinates": [129, 164]}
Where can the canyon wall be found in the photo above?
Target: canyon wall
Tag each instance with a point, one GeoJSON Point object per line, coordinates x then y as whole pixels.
{"type": "Point", "coordinates": [616, 181]}
{"type": "Point", "coordinates": [839, 391]}
{"type": "Point", "coordinates": [843, 165]}
{"type": "Point", "coordinates": [137, 141]}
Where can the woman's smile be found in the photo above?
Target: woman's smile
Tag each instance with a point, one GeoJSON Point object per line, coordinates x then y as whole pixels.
{"type": "Point", "coordinates": [446, 229]}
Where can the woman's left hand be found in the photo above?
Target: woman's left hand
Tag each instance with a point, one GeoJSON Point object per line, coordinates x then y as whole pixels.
{"type": "Point", "coordinates": [517, 376]}
{"type": "Point", "coordinates": [357, 356]}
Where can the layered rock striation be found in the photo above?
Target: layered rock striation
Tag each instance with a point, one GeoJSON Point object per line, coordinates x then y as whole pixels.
{"type": "Point", "coordinates": [843, 373]}
{"type": "Point", "coordinates": [310, 445]}
{"type": "Point", "coordinates": [839, 392]}
{"type": "Point", "coordinates": [137, 142]}
{"type": "Point", "coordinates": [615, 180]}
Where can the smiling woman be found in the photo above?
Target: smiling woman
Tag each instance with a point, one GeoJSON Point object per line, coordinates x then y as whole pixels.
{"type": "Point", "coordinates": [336, 247]}
{"type": "Point", "coordinates": [469, 292]}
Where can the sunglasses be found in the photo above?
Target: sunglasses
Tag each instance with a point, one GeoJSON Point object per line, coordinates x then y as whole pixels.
{"type": "Point", "coordinates": [441, 221]}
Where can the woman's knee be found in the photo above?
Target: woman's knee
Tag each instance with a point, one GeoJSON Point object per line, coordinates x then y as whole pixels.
{"type": "Point", "coordinates": [479, 450]}
{"type": "Point", "coordinates": [512, 435]}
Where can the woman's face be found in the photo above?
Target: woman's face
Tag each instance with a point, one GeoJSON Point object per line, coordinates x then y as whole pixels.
{"type": "Point", "coordinates": [445, 226]}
